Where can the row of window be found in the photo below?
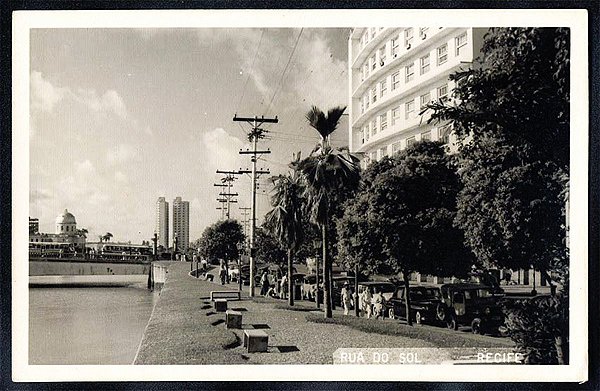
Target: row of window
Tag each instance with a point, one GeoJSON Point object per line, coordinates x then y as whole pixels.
{"type": "Point", "coordinates": [379, 58]}
{"type": "Point", "coordinates": [443, 135]}
{"type": "Point", "coordinates": [380, 122]}
{"type": "Point", "coordinates": [380, 89]}
{"type": "Point", "coordinates": [408, 35]}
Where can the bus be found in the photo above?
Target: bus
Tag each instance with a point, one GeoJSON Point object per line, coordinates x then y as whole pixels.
{"type": "Point", "coordinates": [51, 250]}
{"type": "Point", "coordinates": [124, 252]}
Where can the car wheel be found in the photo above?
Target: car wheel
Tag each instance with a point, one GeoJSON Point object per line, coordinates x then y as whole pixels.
{"type": "Point", "coordinates": [476, 326]}
{"type": "Point", "coordinates": [391, 314]}
{"type": "Point", "coordinates": [440, 312]}
{"type": "Point", "coordinates": [452, 323]}
{"type": "Point", "coordinates": [418, 317]}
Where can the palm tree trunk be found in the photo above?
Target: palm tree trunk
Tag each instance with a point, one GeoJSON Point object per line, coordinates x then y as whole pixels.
{"type": "Point", "coordinates": [326, 276]}
{"type": "Point", "coordinates": [405, 276]}
{"type": "Point", "coordinates": [289, 275]}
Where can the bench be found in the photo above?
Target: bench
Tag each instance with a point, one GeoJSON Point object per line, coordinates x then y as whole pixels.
{"type": "Point", "coordinates": [256, 341]}
{"type": "Point", "coordinates": [209, 277]}
{"type": "Point", "coordinates": [225, 295]}
{"type": "Point", "coordinates": [220, 305]}
{"type": "Point", "coordinates": [233, 319]}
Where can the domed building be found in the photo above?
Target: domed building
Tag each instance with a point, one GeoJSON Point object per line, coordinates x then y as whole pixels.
{"type": "Point", "coordinates": [66, 224]}
{"type": "Point", "coordinates": [65, 232]}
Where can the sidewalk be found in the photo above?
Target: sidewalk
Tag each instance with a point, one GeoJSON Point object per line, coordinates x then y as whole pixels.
{"type": "Point", "coordinates": [183, 329]}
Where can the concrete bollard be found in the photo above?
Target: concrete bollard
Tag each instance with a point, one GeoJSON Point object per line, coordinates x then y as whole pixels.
{"type": "Point", "coordinates": [220, 305]}
{"type": "Point", "coordinates": [233, 319]}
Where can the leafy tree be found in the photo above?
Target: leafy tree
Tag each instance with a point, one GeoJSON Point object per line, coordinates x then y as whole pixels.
{"type": "Point", "coordinates": [220, 240]}
{"type": "Point", "coordinates": [519, 89]}
{"type": "Point", "coordinates": [401, 220]}
{"type": "Point", "coordinates": [268, 248]}
{"type": "Point", "coordinates": [285, 219]}
{"type": "Point", "coordinates": [512, 118]}
{"type": "Point", "coordinates": [326, 171]}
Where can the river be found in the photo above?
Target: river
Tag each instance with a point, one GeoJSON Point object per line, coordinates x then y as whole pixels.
{"type": "Point", "coordinates": [87, 325]}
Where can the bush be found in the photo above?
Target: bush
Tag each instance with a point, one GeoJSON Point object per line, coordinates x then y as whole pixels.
{"type": "Point", "coordinates": [539, 327]}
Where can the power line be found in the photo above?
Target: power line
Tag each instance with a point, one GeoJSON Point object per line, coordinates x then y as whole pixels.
{"type": "Point", "coordinates": [284, 70]}
{"type": "Point", "coordinates": [262, 32]}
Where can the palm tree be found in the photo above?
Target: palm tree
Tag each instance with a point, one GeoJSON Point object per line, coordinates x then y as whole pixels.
{"type": "Point", "coordinates": [285, 219]}
{"type": "Point", "coordinates": [107, 236]}
{"type": "Point", "coordinates": [326, 171]}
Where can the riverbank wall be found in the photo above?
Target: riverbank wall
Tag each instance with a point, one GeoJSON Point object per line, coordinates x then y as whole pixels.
{"type": "Point", "coordinates": [54, 268]}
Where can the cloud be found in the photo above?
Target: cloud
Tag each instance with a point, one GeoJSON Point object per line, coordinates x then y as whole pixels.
{"type": "Point", "coordinates": [222, 149]}
{"type": "Point", "coordinates": [314, 76]}
{"type": "Point", "coordinates": [109, 102]}
{"type": "Point", "coordinates": [121, 153]}
{"type": "Point", "coordinates": [39, 195]}
{"type": "Point", "coordinates": [44, 95]}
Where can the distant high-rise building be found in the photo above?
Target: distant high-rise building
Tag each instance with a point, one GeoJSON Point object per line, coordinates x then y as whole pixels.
{"type": "Point", "coordinates": [181, 223]}
{"type": "Point", "coordinates": [162, 222]}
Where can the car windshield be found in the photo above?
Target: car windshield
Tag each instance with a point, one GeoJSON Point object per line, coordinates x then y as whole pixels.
{"type": "Point", "coordinates": [432, 293]}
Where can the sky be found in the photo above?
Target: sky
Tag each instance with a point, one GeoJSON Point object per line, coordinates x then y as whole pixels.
{"type": "Point", "coordinates": [120, 117]}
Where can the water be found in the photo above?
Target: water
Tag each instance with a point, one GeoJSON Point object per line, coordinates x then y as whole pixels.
{"type": "Point", "coordinates": [87, 325]}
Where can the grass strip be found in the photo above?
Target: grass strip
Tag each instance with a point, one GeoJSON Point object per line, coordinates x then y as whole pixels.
{"type": "Point", "coordinates": [300, 308]}
{"type": "Point", "coordinates": [440, 337]}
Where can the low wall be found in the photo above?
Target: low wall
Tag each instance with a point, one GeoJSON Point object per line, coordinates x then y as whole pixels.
{"type": "Point", "coordinates": [42, 268]}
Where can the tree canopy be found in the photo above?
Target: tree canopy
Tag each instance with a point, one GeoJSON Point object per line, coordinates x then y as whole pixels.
{"type": "Point", "coordinates": [401, 220]}
{"type": "Point", "coordinates": [220, 240]}
{"type": "Point", "coordinates": [511, 113]}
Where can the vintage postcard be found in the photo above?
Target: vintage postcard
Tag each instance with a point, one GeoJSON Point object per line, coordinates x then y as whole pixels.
{"type": "Point", "coordinates": [300, 195]}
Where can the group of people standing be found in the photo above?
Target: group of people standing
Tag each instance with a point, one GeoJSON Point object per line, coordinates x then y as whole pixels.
{"type": "Point", "coordinates": [269, 288]}
{"type": "Point", "coordinates": [370, 304]}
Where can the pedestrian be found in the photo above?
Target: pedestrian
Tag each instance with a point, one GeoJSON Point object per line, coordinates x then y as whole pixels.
{"type": "Point", "coordinates": [346, 297]}
{"type": "Point", "coordinates": [222, 271]}
{"type": "Point", "coordinates": [377, 303]}
{"type": "Point", "coordinates": [203, 264]}
{"type": "Point", "coordinates": [284, 287]}
{"type": "Point", "coordinates": [365, 302]}
{"type": "Point", "coordinates": [264, 283]}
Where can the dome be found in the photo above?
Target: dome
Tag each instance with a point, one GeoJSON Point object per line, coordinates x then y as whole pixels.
{"type": "Point", "coordinates": [65, 218]}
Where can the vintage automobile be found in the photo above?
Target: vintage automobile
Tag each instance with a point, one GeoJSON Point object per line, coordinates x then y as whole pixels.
{"type": "Point", "coordinates": [475, 305]}
{"type": "Point", "coordinates": [424, 301]}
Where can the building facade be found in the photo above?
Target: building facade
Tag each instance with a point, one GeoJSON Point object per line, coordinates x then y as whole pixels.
{"type": "Point", "coordinates": [65, 232]}
{"type": "Point", "coordinates": [393, 74]}
{"type": "Point", "coordinates": [162, 222]}
{"type": "Point", "coordinates": [181, 224]}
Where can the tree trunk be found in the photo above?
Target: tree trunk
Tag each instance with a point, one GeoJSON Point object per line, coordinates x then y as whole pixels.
{"type": "Point", "coordinates": [405, 276]}
{"type": "Point", "coordinates": [317, 281]}
{"type": "Point", "coordinates": [326, 276]}
{"type": "Point", "coordinates": [355, 295]}
{"type": "Point", "coordinates": [289, 275]}
{"type": "Point", "coordinates": [559, 350]}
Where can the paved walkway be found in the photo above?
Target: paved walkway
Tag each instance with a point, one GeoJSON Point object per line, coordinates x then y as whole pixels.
{"type": "Point", "coordinates": [184, 329]}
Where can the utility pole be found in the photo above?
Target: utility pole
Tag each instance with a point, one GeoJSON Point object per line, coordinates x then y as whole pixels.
{"type": "Point", "coordinates": [254, 135]}
{"type": "Point", "coordinates": [227, 182]}
{"type": "Point", "coordinates": [245, 213]}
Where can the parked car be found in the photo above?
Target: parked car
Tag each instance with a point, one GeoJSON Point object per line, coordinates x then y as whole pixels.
{"type": "Point", "coordinates": [386, 288]}
{"type": "Point", "coordinates": [424, 301]}
{"type": "Point", "coordinates": [476, 305]}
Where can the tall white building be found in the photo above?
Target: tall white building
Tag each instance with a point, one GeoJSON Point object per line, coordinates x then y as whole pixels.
{"type": "Point", "coordinates": [393, 73]}
{"type": "Point", "coordinates": [162, 222]}
{"type": "Point", "coordinates": [181, 223]}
